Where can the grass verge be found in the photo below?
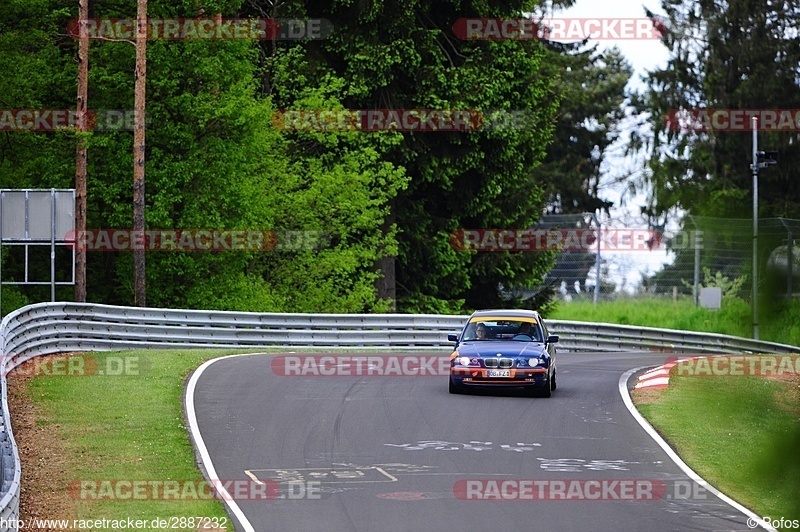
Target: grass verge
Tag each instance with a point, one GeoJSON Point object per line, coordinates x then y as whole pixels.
{"type": "Point", "coordinates": [742, 434]}
{"type": "Point", "coordinates": [118, 416]}
{"type": "Point", "coordinates": [780, 323]}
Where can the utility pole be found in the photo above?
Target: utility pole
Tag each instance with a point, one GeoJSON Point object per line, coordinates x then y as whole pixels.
{"type": "Point", "coordinates": [80, 155]}
{"type": "Point", "coordinates": [761, 159]}
{"type": "Point", "coordinates": [755, 228]}
{"type": "Point", "coordinates": [139, 286]}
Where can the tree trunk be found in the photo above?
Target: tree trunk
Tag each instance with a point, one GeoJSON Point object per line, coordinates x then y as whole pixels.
{"type": "Point", "coordinates": [139, 286]}
{"type": "Point", "coordinates": [386, 283]}
{"type": "Point", "coordinates": [80, 155]}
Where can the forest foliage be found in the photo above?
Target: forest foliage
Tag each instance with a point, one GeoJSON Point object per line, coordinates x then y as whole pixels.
{"type": "Point", "coordinates": [387, 202]}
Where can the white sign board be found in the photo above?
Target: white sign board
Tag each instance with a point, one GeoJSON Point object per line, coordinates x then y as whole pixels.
{"type": "Point", "coordinates": [36, 215]}
{"type": "Point", "coordinates": [711, 297]}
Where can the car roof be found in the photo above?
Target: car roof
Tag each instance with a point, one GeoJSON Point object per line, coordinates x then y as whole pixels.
{"type": "Point", "coordinates": [507, 313]}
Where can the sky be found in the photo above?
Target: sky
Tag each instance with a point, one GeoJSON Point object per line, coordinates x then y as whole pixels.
{"type": "Point", "coordinates": [626, 268]}
{"type": "Point", "coordinates": [642, 54]}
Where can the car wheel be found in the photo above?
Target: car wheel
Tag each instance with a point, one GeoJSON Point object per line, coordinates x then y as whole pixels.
{"type": "Point", "coordinates": [553, 384]}
{"type": "Point", "coordinates": [455, 388]}
{"type": "Point", "coordinates": [547, 389]}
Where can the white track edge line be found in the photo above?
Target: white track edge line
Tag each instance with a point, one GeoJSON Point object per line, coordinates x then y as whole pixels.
{"type": "Point", "coordinates": [201, 445]}
{"type": "Point", "coordinates": [648, 428]}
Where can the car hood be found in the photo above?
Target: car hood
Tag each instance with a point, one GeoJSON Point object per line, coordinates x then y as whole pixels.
{"type": "Point", "coordinates": [503, 349]}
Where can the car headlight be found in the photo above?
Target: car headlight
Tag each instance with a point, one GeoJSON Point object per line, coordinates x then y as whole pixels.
{"type": "Point", "coordinates": [463, 361]}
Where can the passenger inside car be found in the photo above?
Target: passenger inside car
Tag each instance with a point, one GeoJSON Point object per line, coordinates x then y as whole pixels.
{"type": "Point", "coordinates": [481, 332]}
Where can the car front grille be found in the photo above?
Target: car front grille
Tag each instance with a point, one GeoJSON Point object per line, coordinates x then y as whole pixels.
{"type": "Point", "coordinates": [502, 363]}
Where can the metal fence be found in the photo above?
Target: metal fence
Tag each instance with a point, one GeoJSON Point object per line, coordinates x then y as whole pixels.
{"type": "Point", "coordinates": [620, 259]}
{"type": "Point", "coordinates": [719, 252]}
{"type": "Point", "coordinates": [577, 268]}
{"type": "Point", "coordinates": [65, 327]}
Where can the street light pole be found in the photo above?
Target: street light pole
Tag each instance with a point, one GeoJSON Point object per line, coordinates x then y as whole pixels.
{"type": "Point", "coordinates": [755, 228]}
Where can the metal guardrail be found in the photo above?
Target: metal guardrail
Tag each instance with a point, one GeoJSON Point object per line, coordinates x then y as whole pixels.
{"type": "Point", "coordinates": [64, 327]}
{"type": "Point", "coordinates": [583, 336]}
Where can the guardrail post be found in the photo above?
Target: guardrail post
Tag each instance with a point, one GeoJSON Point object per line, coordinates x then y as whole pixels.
{"type": "Point", "coordinates": [790, 265]}
{"type": "Point", "coordinates": [597, 261]}
{"type": "Point", "coordinates": [698, 237]}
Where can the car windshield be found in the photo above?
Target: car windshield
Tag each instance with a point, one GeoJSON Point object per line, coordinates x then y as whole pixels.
{"type": "Point", "coordinates": [514, 330]}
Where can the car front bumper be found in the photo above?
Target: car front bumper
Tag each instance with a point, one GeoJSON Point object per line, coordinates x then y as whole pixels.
{"type": "Point", "coordinates": [478, 377]}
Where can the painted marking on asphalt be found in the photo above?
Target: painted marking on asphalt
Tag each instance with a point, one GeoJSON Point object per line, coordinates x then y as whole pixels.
{"type": "Point", "coordinates": [576, 465]}
{"type": "Point", "coordinates": [252, 477]}
{"type": "Point", "coordinates": [439, 445]}
{"type": "Point", "coordinates": [414, 495]}
{"type": "Point", "coordinates": [370, 474]}
{"type": "Point", "coordinates": [205, 457]}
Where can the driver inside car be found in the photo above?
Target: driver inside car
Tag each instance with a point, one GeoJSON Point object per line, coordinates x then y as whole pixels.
{"type": "Point", "coordinates": [525, 332]}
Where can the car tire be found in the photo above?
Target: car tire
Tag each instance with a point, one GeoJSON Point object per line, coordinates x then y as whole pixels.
{"type": "Point", "coordinates": [455, 388]}
{"type": "Point", "coordinates": [547, 389]}
{"type": "Point", "coordinates": [553, 384]}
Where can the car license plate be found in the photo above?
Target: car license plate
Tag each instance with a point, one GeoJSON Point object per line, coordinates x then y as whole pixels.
{"type": "Point", "coordinates": [499, 373]}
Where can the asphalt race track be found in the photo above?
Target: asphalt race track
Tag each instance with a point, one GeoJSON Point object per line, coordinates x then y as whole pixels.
{"type": "Point", "coordinates": [378, 453]}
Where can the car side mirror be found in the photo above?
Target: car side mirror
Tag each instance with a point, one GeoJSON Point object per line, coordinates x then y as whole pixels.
{"type": "Point", "coordinates": [552, 339]}
{"type": "Point", "coordinates": [452, 338]}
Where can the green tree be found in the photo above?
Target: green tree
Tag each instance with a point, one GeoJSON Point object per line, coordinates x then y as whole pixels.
{"type": "Point", "coordinates": [404, 57]}
{"type": "Point", "coordinates": [215, 161]}
{"type": "Point", "coordinates": [737, 54]}
{"type": "Point", "coordinates": [593, 105]}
